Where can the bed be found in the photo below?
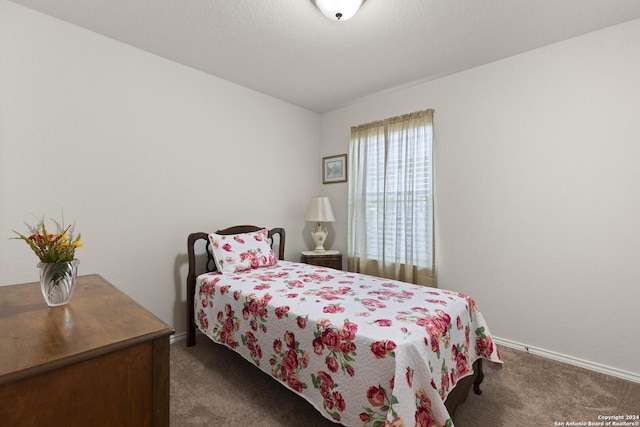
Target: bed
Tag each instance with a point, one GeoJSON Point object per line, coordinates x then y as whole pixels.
{"type": "Point", "coordinates": [364, 351]}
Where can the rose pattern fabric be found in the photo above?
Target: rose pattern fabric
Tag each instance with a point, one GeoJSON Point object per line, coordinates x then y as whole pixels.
{"type": "Point", "coordinates": [364, 351]}
{"type": "Point", "coordinates": [237, 252]}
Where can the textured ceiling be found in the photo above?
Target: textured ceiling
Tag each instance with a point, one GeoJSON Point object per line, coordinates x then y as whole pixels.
{"type": "Point", "coordinates": [289, 50]}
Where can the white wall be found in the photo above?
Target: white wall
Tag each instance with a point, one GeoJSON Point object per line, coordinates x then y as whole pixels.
{"type": "Point", "coordinates": [138, 151]}
{"type": "Point", "coordinates": [537, 191]}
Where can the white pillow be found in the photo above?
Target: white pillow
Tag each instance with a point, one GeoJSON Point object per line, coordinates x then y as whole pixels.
{"type": "Point", "coordinates": [237, 252]}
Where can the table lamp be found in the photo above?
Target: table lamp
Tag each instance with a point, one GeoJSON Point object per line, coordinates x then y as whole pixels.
{"type": "Point", "coordinates": [319, 211]}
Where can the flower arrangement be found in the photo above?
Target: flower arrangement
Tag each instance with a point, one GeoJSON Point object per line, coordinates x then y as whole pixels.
{"type": "Point", "coordinates": [52, 247]}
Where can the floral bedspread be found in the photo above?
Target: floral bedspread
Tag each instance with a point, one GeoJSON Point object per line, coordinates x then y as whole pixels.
{"type": "Point", "coordinates": [364, 351]}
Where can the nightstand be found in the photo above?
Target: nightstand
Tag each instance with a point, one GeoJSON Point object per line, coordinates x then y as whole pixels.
{"type": "Point", "coordinates": [331, 259]}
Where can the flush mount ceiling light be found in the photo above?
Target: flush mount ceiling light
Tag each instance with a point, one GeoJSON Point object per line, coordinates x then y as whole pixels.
{"type": "Point", "coordinates": [338, 10]}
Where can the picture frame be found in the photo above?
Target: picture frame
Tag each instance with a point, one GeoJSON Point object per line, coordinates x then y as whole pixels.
{"type": "Point", "coordinates": [334, 169]}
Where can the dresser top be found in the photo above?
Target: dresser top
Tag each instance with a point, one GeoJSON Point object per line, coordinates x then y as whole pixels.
{"type": "Point", "coordinates": [99, 319]}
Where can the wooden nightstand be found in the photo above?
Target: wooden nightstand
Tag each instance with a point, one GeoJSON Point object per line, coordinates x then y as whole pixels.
{"type": "Point", "coordinates": [331, 259]}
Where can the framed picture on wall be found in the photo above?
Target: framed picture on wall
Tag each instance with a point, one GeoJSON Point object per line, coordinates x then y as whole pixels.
{"type": "Point", "coordinates": [334, 169]}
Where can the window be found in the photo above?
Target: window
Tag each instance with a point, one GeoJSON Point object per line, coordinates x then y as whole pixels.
{"type": "Point", "coordinates": [391, 198]}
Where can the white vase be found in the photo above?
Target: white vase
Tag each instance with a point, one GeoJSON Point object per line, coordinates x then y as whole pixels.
{"type": "Point", "coordinates": [58, 281]}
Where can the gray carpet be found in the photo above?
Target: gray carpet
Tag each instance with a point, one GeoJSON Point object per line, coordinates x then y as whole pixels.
{"type": "Point", "coordinates": [212, 386]}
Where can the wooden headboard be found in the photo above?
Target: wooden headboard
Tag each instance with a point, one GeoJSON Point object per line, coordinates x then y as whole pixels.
{"type": "Point", "coordinates": [210, 265]}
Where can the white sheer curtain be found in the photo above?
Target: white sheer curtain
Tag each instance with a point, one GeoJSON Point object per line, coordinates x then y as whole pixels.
{"type": "Point", "coordinates": [390, 230]}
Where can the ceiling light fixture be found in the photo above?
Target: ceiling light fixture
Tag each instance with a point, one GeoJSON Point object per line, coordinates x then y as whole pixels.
{"type": "Point", "coordinates": [338, 10]}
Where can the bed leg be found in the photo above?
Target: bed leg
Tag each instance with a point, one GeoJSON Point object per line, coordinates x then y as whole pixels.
{"type": "Point", "coordinates": [191, 325]}
{"type": "Point", "coordinates": [191, 336]}
{"type": "Point", "coordinates": [479, 379]}
{"type": "Point", "coordinates": [191, 315]}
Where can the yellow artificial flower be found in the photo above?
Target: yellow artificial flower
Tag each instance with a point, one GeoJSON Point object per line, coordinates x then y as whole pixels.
{"type": "Point", "coordinates": [50, 248]}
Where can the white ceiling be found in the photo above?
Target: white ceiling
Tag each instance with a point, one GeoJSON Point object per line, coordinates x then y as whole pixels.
{"type": "Point", "coordinates": [289, 50]}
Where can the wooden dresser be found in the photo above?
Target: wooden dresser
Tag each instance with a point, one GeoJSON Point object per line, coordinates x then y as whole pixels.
{"type": "Point", "coordinates": [101, 360]}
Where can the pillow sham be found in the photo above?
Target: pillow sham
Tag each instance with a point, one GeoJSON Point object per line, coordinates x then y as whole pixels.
{"type": "Point", "coordinates": [238, 252]}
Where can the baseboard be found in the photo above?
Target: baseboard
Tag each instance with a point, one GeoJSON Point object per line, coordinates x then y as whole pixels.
{"type": "Point", "coordinates": [177, 337]}
{"type": "Point", "coordinates": [625, 375]}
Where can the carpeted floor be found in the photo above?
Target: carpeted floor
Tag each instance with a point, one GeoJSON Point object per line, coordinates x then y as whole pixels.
{"type": "Point", "coordinates": [212, 386]}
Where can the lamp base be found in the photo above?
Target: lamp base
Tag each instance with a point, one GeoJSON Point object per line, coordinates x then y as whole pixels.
{"type": "Point", "coordinates": [319, 235]}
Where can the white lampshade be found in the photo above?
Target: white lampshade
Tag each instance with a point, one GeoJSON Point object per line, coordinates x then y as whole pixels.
{"type": "Point", "coordinates": [338, 10]}
{"type": "Point", "coordinates": [319, 210]}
